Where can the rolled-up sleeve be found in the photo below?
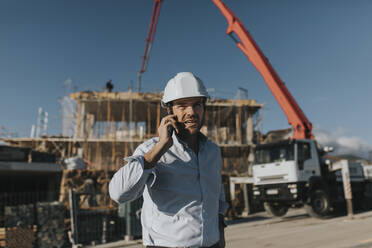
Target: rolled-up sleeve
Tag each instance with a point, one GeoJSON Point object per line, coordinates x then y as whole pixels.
{"type": "Point", "coordinates": [128, 183]}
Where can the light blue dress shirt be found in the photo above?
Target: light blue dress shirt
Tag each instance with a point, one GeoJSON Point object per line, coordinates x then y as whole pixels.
{"type": "Point", "coordinates": [182, 194]}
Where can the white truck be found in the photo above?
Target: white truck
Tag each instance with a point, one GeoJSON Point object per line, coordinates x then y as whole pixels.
{"type": "Point", "coordinates": [293, 173]}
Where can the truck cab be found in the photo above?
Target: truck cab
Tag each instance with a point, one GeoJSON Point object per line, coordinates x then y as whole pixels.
{"type": "Point", "coordinates": [288, 161]}
{"type": "Point", "coordinates": [283, 173]}
{"type": "Point", "coordinates": [294, 173]}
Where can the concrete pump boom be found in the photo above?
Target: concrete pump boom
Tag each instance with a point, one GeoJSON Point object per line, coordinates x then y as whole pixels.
{"type": "Point", "coordinates": [296, 118]}
{"type": "Point", "coordinates": [301, 125]}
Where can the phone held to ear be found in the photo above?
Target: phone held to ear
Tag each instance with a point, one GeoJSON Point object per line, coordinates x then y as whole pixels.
{"type": "Point", "coordinates": [170, 131]}
{"type": "Point", "coordinates": [170, 127]}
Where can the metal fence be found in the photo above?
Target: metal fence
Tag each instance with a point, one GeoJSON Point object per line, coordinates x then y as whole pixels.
{"type": "Point", "coordinates": [103, 224]}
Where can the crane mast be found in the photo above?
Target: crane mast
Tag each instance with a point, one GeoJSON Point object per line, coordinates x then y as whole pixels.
{"type": "Point", "coordinates": [149, 40]}
{"type": "Point", "coordinates": [296, 118]}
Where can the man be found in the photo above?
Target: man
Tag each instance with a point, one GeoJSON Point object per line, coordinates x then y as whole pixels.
{"type": "Point", "coordinates": [178, 174]}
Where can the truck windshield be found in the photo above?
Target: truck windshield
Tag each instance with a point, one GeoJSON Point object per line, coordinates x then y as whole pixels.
{"type": "Point", "coordinates": [271, 154]}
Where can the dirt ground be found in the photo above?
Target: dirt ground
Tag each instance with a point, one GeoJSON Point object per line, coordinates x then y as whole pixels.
{"type": "Point", "coordinates": [296, 230]}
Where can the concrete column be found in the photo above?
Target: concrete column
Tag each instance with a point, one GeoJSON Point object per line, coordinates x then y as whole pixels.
{"type": "Point", "coordinates": [79, 131]}
{"type": "Point", "coordinates": [249, 130]}
{"type": "Point", "coordinates": [238, 125]}
{"type": "Point", "coordinates": [82, 120]}
{"type": "Point", "coordinates": [77, 127]}
{"type": "Point", "coordinates": [90, 126]}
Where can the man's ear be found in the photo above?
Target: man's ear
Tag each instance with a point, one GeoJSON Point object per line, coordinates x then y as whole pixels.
{"type": "Point", "coordinates": [170, 110]}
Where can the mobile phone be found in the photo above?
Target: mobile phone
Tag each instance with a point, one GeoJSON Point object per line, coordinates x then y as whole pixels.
{"type": "Point", "coordinates": [170, 127]}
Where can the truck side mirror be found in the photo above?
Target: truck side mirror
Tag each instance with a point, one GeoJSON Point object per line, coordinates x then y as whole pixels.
{"type": "Point", "coordinates": [328, 149]}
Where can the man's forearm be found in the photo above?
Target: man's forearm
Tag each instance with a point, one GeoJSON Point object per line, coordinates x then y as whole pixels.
{"type": "Point", "coordinates": [153, 156]}
{"type": "Point", "coordinates": [129, 181]}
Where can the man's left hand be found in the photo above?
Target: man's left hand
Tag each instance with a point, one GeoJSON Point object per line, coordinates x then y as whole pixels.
{"type": "Point", "coordinates": [221, 227]}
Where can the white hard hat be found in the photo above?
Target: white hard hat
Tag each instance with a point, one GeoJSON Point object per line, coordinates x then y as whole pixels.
{"type": "Point", "coordinates": [183, 85]}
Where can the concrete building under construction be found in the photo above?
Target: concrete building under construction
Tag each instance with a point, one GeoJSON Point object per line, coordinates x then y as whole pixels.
{"type": "Point", "coordinates": [110, 125]}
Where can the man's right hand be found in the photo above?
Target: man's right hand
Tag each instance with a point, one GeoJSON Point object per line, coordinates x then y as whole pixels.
{"type": "Point", "coordinates": [165, 141]}
{"type": "Point", "coordinates": [164, 137]}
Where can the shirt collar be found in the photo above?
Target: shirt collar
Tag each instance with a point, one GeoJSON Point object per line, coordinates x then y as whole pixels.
{"type": "Point", "coordinates": [202, 139]}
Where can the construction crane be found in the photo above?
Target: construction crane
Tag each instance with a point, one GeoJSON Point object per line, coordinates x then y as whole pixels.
{"type": "Point", "coordinates": [149, 40]}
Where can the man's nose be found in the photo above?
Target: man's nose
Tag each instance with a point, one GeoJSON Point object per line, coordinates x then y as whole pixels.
{"type": "Point", "coordinates": [190, 109]}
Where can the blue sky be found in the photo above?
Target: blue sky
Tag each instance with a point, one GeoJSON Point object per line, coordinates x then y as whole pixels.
{"type": "Point", "coordinates": [321, 49]}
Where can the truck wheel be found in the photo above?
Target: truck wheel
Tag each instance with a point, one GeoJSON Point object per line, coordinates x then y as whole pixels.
{"type": "Point", "coordinates": [319, 204]}
{"type": "Point", "coordinates": [275, 209]}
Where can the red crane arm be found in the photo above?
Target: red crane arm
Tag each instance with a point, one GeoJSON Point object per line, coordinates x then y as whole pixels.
{"type": "Point", "coordinates": [301, 125]}
{"type": "Point", "coordinates": [149, 39]}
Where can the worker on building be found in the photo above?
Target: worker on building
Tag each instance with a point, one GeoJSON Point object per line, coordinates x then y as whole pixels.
{"type": "Point", "coordinates": [178, 174]}
{"type": "Point", "coordinates": [109, 86]}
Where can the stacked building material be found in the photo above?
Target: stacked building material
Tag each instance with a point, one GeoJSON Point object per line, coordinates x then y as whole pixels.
{"type": "Point", "coordinates": [50, 223]}
{"type": "Point", "coordinates": [46, 220]}
{"type": "Point", "coordinates": [19, 237]}
{"type": "Point", "coordinates": [19, 222]}
{"type": "Point", "coordinates": [21, 215]}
